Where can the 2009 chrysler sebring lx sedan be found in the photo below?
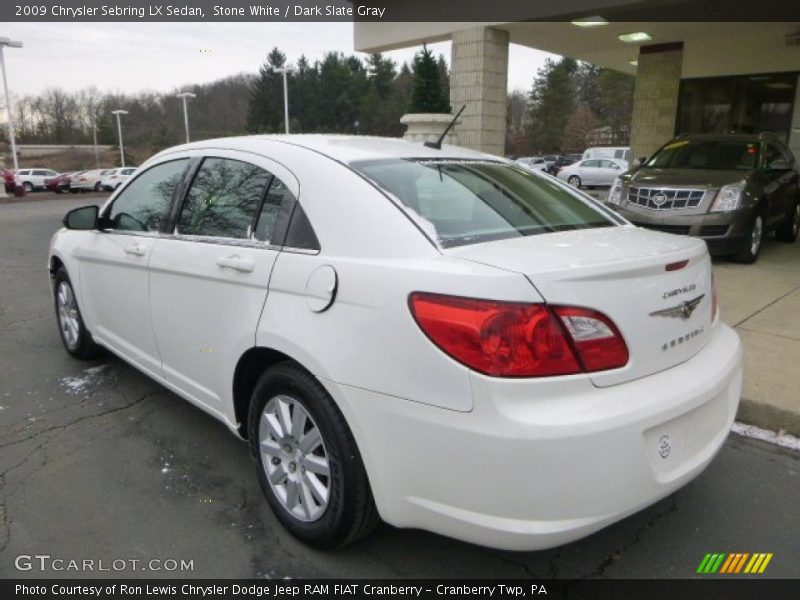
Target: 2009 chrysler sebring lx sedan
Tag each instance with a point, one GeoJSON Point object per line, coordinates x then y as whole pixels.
{"type": "Point", "coordinates": [433, 337]}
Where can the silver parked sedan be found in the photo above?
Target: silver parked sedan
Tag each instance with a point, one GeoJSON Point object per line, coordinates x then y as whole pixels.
{"type": "Point", "coordinates": [593, 171]}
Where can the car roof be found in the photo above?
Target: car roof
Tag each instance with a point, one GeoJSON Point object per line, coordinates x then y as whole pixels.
{"type": "Point", "coordinates": [346, 148]}
{"type": "Point", "coordinates": [721, 137]}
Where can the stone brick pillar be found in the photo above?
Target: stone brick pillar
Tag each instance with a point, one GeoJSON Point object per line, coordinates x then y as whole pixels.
{"type": "Point", "coordinates": [478, 78]}
{"type": "Point", "coordinates": [655, 97]}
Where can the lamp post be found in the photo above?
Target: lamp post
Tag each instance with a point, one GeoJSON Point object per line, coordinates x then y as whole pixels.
{"type": "Point", "coordinates": [119, 132]}
{"type": "Point", "coordinates": [93, 111]}
{"type": "Point", "coordinates": [4, 41]}
{"type": "Point", "coordinates": [285, 70]}
{"type": "Point", "coordinates": [185, 96]}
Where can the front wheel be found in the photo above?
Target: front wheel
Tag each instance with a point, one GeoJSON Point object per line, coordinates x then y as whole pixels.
{"type": "Point", "coordinates": [751, 245]}
{"type": "Point", "coordinates": [28, 187]}
{"type": "Point", "coordinates": [307, 461]}
{"type": "Point", "coordinates": [98, 187]}
{"type": "Point", "coordinates": [787, 232]}
{"type": "Point", "coordinates": [574, 181]}
{"type": "Point", "coordinates": [76, 338]}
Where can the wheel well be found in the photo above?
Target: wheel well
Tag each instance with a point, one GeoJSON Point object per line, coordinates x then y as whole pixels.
{"type": "Point", "coordinates": [249, 368]}
{"type": "Point", "coordinates": [55, 265]}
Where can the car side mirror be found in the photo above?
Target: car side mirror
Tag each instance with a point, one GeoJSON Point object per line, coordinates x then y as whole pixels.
{"type": "Point", "coordinates": [84, 218]}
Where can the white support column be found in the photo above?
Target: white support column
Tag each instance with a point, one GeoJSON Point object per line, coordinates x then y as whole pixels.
{"type": "Point", "coordinates": [479, 79]}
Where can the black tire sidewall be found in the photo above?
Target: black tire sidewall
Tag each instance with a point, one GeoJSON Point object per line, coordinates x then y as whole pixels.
{"type": "Point", "coordinates": [287, 379]}
{"type": "Point", "coordinates": [572, 178]}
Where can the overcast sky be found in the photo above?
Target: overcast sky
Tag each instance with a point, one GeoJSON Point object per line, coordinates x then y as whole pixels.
{"type": "Point", "coordinates": [129, 57]}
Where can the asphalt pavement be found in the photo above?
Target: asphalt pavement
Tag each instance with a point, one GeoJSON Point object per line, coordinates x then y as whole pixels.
{"type": "Point", "coordinates": [98, 462]}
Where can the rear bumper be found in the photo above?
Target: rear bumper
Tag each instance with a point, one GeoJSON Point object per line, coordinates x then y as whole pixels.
{"type": "Point", "coordinates": [538, 464]}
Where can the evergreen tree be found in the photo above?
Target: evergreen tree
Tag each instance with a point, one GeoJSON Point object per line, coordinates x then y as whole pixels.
{"type": "Point", "coordinates": [428, 95]}
{"type": "Point", "coordinates": [552, 101]}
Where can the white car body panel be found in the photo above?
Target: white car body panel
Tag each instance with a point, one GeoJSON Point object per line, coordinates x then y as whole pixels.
{"type": "Point", "coordinates": [172, 311]}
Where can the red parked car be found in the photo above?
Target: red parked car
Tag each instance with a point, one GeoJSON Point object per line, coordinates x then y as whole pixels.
{"type": "Point", "coordinates": [9, 180]}
{"type": "Point", "coordinates": [60, 183]}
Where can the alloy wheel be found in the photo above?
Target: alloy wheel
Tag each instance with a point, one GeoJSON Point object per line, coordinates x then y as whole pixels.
{"type": "Point", "coordinates": [68, 314]}
{"type": "Point", "coordinates": [295, 458]}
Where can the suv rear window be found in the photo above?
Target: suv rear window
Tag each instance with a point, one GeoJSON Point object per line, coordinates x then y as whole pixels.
{"type": "Point", "coordinates": [716, 155]}
{"type": "Point", "coordinates": [458, 202]}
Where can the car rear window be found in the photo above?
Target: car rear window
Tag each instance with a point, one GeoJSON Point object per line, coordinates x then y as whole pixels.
{"type": "Point", "coordinates": [716, 155]}
{"type": "Point", "coordinates": [458, 202]}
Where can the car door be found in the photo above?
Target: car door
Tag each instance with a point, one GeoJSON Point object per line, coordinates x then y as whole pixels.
{"type": "Point", "coordinates": [587, 171]}
{"type": "Point", "coordinates": [608, 172]}
{"type": "Point", "coordinates": [209, 277]}
{"type": "Point", "coordinates": [113, 269]}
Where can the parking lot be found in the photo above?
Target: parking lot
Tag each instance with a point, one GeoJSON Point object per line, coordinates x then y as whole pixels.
{"type": "Point", "coordinates": [99, 462]}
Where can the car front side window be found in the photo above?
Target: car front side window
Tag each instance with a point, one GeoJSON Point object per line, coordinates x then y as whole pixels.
{"type": "Point", "coordinates": [144, 204]}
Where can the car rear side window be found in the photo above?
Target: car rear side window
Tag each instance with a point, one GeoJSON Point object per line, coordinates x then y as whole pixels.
{"type": "Point", "coordinates": [223, 199]}
{"type": "Point", "coordinates": [459, 202]}
{"type": "Point", "coordinates": [144, 204]}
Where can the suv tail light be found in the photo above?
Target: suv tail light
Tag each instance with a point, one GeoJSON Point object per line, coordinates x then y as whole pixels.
{"type": "Point", "coordinates": [510, 339]}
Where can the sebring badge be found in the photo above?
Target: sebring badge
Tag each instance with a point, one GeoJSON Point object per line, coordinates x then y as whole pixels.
{"type": "Point", "coordinates": [683, 310]}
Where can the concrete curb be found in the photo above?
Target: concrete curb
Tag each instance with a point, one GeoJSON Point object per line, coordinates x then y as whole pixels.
{"type": "Point", "coordinates": [768, 416]}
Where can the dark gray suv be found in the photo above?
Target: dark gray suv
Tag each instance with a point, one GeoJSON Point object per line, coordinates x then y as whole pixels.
{"type": "Point", "coordinates": [730, 190]}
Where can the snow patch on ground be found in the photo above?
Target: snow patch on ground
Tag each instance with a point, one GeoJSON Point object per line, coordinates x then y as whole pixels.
{"type": "Point", "coordinates": [84, 383]}
{"type": "Point", "coordinates": [780, 438]}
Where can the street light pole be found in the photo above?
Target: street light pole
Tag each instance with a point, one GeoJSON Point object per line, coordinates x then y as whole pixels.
{"type": "Point", "coordinates": [93, 110]}
{"type": "Point", "coordinates": [184, 96]}
{"type": "Point", "coordinates": [286, 70]}
{"type": "Point", "coordinates": [119, 132]}
{"type": "Point", "coordinates": [11, 44]}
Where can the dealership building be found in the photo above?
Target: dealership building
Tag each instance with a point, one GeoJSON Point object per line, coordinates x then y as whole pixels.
{"type": "Point", "coordinates": [698, 77]}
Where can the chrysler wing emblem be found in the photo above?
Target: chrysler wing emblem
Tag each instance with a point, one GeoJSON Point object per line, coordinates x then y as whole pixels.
{"type": "Point", "coordinates": [683, 310]}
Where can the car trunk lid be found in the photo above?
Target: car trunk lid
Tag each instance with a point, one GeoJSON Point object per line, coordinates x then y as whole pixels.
{"type": "Point", "coordinates": [656, 287]}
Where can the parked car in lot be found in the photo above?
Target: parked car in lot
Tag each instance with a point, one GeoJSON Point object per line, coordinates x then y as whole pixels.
{"type": "Point", "coordinates": [34, 179]}
{"type": "Point", "coordinates": [59, 184]}
{"type": "Point", "coordinates": [89, 181]}
{"type": "Point", "coordinates": [599, 172]}
{"type": "Point", "coordinates": [436, 337]}
{"type": "Point", "coordinates": [9, 180]}
{"type": "Point", "coordinates": [535, 163]}
{"type": "Point", "coordinates": [729, 190]}
{"type": "Point", "coordinates": [113, 178]}
{"type": "Point", "coordinates": [622, 153]}
{"type": "Point", "coordinates": [562, 161]}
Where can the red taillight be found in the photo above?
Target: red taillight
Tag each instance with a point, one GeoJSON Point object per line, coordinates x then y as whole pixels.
{"type": "Point", "coordinates": [509, 339]}
{"type": "Point", "coordinates": [597, 340]}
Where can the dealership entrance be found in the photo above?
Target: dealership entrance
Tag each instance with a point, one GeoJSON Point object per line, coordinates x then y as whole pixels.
{"type": "Point", "coordinates": [690, 76]}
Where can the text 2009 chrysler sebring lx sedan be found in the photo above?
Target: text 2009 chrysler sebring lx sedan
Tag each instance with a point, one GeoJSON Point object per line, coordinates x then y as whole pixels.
{"type": "Point", "coordinates": [433, 337]}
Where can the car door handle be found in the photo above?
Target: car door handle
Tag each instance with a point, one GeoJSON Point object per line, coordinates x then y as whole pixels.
{"type": "Point", "coordinates": [136, 249]}
{"type": "Point", "coordinates": [245, 265]}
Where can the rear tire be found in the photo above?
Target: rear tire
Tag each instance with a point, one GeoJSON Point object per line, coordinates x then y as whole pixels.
{"type": "Point", "coordinates": [76, 338]}
{"type": "Point", "coordinates": [574, 181]}
{"type": "Point", "coordinates": [751, 246]}
{"type": "Point", "coordinates": [318, 490]}
{"type": "Point", "coordinates": [28, 187]}
{"type": "Point", "coordinates": [98, 187]}
{"type": "Point", "coordinates": [787, 231]}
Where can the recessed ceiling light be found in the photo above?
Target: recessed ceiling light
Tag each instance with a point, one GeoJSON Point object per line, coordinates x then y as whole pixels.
{"type": "Point", "coordinates": [635, 63]}
{"type": "Point", "coordinates": [637, 36]}
{"type": "Point", "coordinates": [595, 21]}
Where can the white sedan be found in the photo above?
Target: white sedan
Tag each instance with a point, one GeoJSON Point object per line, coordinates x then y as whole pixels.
{"type": "Point", "coordinates": [433, 337]}
{"type": "Point", "coordinates": [599, 172]}
{"type": "Point", "coordinates": [113, 178]}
